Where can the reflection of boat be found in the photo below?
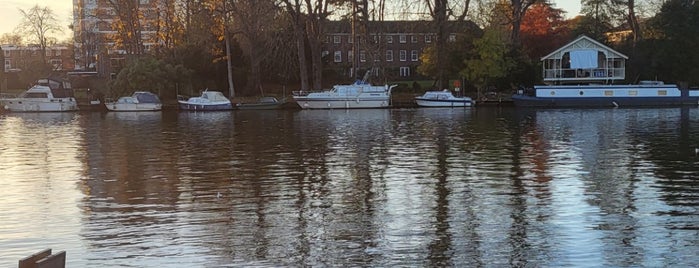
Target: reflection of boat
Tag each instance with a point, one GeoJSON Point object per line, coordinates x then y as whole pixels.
{"type": "Point", "coordinates": [358, 95]}
{"type": "Point", "coordinates": [208, 101]}
{"type": "Point", "coordinates": [138, 101]}
{"type": "Point", "coordinates": [442, 99]}
{"type": "Point", "coordinates": [587, 66]}
{"type": "Point", "coordinates": [48, 95]}
{"type": "Point", "coordinates": [264, 103]}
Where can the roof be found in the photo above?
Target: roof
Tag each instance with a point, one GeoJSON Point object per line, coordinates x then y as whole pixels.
{"type": "Point", "coordinates": [401, 26]}
{"type": "Point", "coordinates": [584, 42]}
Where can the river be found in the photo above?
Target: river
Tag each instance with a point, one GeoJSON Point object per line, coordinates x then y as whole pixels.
{"type": "Point", "coordinates": [480, 187]}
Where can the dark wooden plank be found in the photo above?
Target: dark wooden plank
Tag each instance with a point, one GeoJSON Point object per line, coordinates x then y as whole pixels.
{"type": "Point", "coordinates": [57, 260]}
{"type": "Point", "coordinates": [30, 262]}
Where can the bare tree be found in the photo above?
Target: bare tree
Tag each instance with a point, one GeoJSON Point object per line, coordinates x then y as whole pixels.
{"type": "Point", "coordinates": [519, 9]}
{"type": "Point", "coordinates": [253, 23]}
{"type": "Point", "coordinates": [37, 25]}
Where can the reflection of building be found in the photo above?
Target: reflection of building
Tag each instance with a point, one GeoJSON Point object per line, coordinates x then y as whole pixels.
{"type": "Point", "coordinates": [95, 32]}
{"type": "Point", "coordinates": [21, 57]}
{"type": "Point", "coordinates": [392, 46]}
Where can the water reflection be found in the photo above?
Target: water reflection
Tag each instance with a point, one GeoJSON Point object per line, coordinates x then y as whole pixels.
{"type": "Point", "coordinates": [385, 187]}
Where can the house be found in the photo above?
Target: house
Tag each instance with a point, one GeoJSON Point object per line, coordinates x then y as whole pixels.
{"type": "Point", "coordinates": [18, 57]}
{"type": "Point", "coordinates": [583, 60]}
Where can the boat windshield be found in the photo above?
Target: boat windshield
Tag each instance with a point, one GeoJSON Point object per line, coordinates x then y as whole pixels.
{"type": "Point", "coordinates": [35, 95]}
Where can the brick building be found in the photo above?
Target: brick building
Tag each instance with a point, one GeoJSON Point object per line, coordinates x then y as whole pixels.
{"type": "Point", "coordinates": [18, 57]}
{"type": "Point", "coordinates": [392, 46]}
{"type": "Point", "coordinates": [95, 34]}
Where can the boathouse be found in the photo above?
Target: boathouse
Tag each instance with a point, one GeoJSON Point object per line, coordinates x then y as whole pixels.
{"type": "Point", "coordinates": [584, 60]}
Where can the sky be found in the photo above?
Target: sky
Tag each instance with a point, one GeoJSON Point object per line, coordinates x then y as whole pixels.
{"type": "Point", "coordinates": [10, 15]}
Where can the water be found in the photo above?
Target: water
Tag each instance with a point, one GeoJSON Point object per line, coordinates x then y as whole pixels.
{"type": "Point", "coordinates": [485, 187]}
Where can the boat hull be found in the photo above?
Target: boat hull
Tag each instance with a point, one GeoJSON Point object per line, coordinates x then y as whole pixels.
{"type": "Point", "coordinates": [205, 107]}
{"type": "Point", "coordinates": [133, 107]}
{"type": "Point", "coordinates": [39, 105]}
{"type": "Point", "coordinates": [606, 96]}
{"type": "Point", "coordinates": [342, 103]}
{"type": "Point", "coordinates": [443, 103]}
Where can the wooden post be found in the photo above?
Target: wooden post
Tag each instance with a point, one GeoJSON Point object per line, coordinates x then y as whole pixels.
{"type": "Point", "coordinates": [30, 262]}
{"type": "Point", "coordinates": [57, 260]}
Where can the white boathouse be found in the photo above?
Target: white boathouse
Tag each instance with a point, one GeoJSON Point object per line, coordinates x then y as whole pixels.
{"type": "Point", "coordinates": [584, 60]}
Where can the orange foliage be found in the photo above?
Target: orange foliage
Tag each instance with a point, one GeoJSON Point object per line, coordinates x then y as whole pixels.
{"type": "Point", "coordinates": [543, 30]}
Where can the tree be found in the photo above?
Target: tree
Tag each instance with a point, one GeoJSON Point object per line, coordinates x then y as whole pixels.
{"type": "Point", "coordinates": [518, 10]}
{"type": "Point", "coordinates": [157, 74]}
{"type": "Point", "coordinates": [128, 24]}
{"type": "Point", "coordinates": [598, 18]}
{"type": "Point", "coordinates": [491, 59]}
{"type": "Point", "coordinates": [673, 51]}
{"type": "Point", "coordinates": [11, 39]}
{"type": "Point", "coordinates": [254, 25]}
{"type": "Point", "coordinates": [543, 30]}
{"type": "Point", "coordinates": [37, 25]}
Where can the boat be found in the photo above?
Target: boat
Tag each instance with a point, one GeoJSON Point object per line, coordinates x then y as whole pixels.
{"type": "Point", "coordinates": [47, 95]}
{"type": "Point", "coordinates": [208, 101]}
{"type": "Point", "coordinates": [442, 98]}
{"type": "Point", "coordinates": [359, 94]}
{"type": "Point", "coordinates": [138, 101]}
{"type": "Point", "coordinates": [584, 73]}
{"type": "Point", "coordinates": [264, 103]}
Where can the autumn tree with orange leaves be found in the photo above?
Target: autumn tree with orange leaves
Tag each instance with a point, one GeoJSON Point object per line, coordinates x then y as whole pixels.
{"type": "Point", "coordinates": [543, 30]}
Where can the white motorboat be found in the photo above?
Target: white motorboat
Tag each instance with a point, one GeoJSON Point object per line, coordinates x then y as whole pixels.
{"type": "Point", "coordinates": [47, 95]}
{"type": "Point", "coordinates": [442, 99]}
{"type": "Point", "coordinates": [208, 101]}
{"type": "Point", "coordinates": [357, 95]}
{"type": "Point", "coordinates": [138, 101]}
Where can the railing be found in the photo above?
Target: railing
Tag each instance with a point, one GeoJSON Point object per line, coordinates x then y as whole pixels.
{"type": "Point", "coordinates": [7, 96]}
{"type": "Point", "coordinates": [584, 74]}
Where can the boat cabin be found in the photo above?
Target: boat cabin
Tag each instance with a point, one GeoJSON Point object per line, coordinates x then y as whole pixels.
{"type": "Point", "coordinates": [584, 60]}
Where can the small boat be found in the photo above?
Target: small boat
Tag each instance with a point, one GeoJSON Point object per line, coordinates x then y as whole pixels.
{"type": "Point", "coordinates": [47, 95]}
{"type": "Point", "coordinates": [208, 101]}
{"type": "Point", "coordinates": [442, 98]}
{"type": "Point", "coordinates": [264, 103]}
{"type": "Point", "coordinates": [138, 101]}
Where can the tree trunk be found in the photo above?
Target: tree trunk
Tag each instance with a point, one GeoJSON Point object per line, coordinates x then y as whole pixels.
{"type": "Point", "coordinates": [229, 62]}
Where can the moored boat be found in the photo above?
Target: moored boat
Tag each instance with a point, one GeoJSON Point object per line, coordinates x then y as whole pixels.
{"type": "Point", "coordinates": [442, 98]}
{"type": "Point", "coordinates": [138, 101]}
{"type": "Point", "coordinates": [47, 95]}
{"type": "Point", "coordinates": [357, 95]}
{"type": "Point", "coordinates": [264, 103]}
{"type": "Point", "coordinates": [583, 74]}
{"type": "Point", "coordinates": [208, 101]}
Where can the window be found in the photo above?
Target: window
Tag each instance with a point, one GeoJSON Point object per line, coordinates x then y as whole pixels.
{"type": "Point", "coordinates": [403, 39]}
{"type": "Point", "coordinates": [8, 64]}
{"type": "Point", "coordinates": [338, 56]}
{"type": "Point", "coordinates": [7, 53]}
{"type": "Point", "coordinates": [324, 53]}
{"type": "Point", "coordinates": [452, 38]}
{"type": "Point", "coordinates": [144, 2]}
{"type": "Point", "coordinates": [350, 56]}
{"type": "Point", "coordinates": [403, 55]}
{"type": "Point", "coordinates": [362, 56]}
{"type": "Point", "coordinates": [389, 39]}
{"type": "Point", "coordinates": [413, 55]}
{"type": "Point", "coordinates": [58, 52]}
{"type": "Point", "coordinates": [376, 39]}
{"type": "Point", "coordinates": [389, 55]}
{"type": "Point", "coordinates": [428, 38]}
{"type": "Point", "coordinates": [662, 92]}
{"type": "Point", "coordinates": [336, 39]}
{"type": "Point", "coordinates": [57, 64]}
{"type": "Point", "coordinates": [350, 39]}
{"type": "Point", "coordinates": [413, 39]}
{"type": "Point", "coordinates": [404, 71]}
